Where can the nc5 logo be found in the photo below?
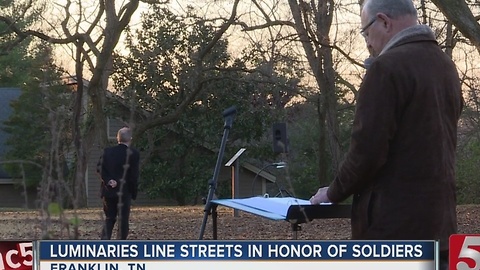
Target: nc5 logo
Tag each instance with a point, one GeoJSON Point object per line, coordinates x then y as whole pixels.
{"type": "Point", "coordinates": [464, 252]}
{"type": "Point", "coordinates": [16, 256]}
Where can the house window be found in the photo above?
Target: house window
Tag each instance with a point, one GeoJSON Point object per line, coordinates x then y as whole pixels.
{"type": "Point", "coordinates": [113, 125]}
{"type": "Point", "coordinates": [4, 181]}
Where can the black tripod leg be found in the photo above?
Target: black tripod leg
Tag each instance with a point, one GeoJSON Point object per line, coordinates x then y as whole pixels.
{"type": "Point", "coordinates": [295, 228]}
{"type": "Point", "coordinates": [228, 115]}
{"type": "Point", "coordinates": [206, 212]}
{"type": "Point", "coordinates": [214, 221]}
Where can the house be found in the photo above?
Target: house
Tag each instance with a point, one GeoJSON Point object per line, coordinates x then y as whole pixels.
{"type": "Point", "coordinates": [247, 174]}
{"type": "Point", "coordinates": [12, 194]}
{"type": "Point", "coordinates": [263, 179]}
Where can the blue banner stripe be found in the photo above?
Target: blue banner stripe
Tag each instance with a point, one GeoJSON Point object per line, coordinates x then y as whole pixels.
{"type": "Point", "coordinates": [236, 250]}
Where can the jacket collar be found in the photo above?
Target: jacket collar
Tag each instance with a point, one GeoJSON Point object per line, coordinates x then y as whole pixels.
{"type": "Point", "coordinates": [410, 34]}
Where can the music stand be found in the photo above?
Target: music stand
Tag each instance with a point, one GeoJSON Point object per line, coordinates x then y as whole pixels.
{"type": "Point", "coordinates": [295, 211]}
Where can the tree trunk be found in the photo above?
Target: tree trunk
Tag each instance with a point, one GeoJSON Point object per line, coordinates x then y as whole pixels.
{"type": "Point", "coordinates": [458, 13]}
{"type": "Point", "coordinates": [322, 173]}
{"type": "Point", "coordinates": [313, 21]}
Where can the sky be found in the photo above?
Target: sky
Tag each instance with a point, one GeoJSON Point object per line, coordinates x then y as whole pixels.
{"type": "Point", "coordinates": [347, 19]}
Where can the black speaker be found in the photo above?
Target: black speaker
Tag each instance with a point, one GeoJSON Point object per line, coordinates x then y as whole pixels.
{"type": "Point", "coordinates": [280, 140]}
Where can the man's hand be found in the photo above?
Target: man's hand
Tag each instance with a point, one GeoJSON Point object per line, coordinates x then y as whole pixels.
{"type": "Point", "coordinates": [112, 183]}
{"type": "Point", "coordinates": [320, 197]}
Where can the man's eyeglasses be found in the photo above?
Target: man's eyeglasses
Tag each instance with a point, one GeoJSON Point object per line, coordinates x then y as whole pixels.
{"type": "Point", "coordinates": [362, 31]}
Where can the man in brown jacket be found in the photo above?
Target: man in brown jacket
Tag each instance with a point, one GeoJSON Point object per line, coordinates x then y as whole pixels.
{"type": "Point", "coordinates": [400, 167]}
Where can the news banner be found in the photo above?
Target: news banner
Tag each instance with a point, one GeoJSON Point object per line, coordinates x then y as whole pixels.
{"type": "Point", "coordinates": [221, 255]}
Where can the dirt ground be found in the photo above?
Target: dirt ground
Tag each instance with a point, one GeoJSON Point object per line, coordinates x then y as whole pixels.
{"type": "Point", "coordinates": [184, 223]}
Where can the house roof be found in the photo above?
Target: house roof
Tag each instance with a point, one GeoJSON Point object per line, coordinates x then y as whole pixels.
{"type": "Point", "coordinates": [260, 172]}
{"type": "Point", "coordinates": [7, 95]}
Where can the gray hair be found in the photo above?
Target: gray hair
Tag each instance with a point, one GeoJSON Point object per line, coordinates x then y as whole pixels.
{"type": "Point", "coordinates": [392, 8]}
{"type": "Point", "coordinates": [124, 135]}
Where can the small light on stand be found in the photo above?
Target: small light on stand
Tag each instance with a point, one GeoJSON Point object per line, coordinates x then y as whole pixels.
{"type": "Point", "coordinates": [280, 165]}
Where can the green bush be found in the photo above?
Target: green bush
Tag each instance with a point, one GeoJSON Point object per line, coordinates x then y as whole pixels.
{"type": "Point", "coordinates": [468, 173]}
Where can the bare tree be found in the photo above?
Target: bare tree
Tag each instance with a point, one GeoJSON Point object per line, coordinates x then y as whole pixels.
{"type": "Point", "coordinates": [94, 37]}
{"type": "Point", "coordinates": [313, 20]}
{"type": "Point", "coordinates": [312, 25]}
{"type": "Point", "coordinates": [93, 51]}
{"type": "Point", "coordinates": [460, 14]}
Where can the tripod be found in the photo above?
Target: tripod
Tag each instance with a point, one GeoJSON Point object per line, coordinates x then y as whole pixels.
{"type": "Point", "coordinates": [282, 192]}
{"type": "Point", "coordinates": [228, 115]}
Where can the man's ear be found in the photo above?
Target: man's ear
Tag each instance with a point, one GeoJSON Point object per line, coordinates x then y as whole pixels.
{"type": "Point", "coordinates": [385, 21]}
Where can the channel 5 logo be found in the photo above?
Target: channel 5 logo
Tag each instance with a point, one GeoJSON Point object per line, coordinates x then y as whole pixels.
{"type": "Point", "coordinates": [464, 252]}
{"type": "Point", "coordinates": [16, 255]}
